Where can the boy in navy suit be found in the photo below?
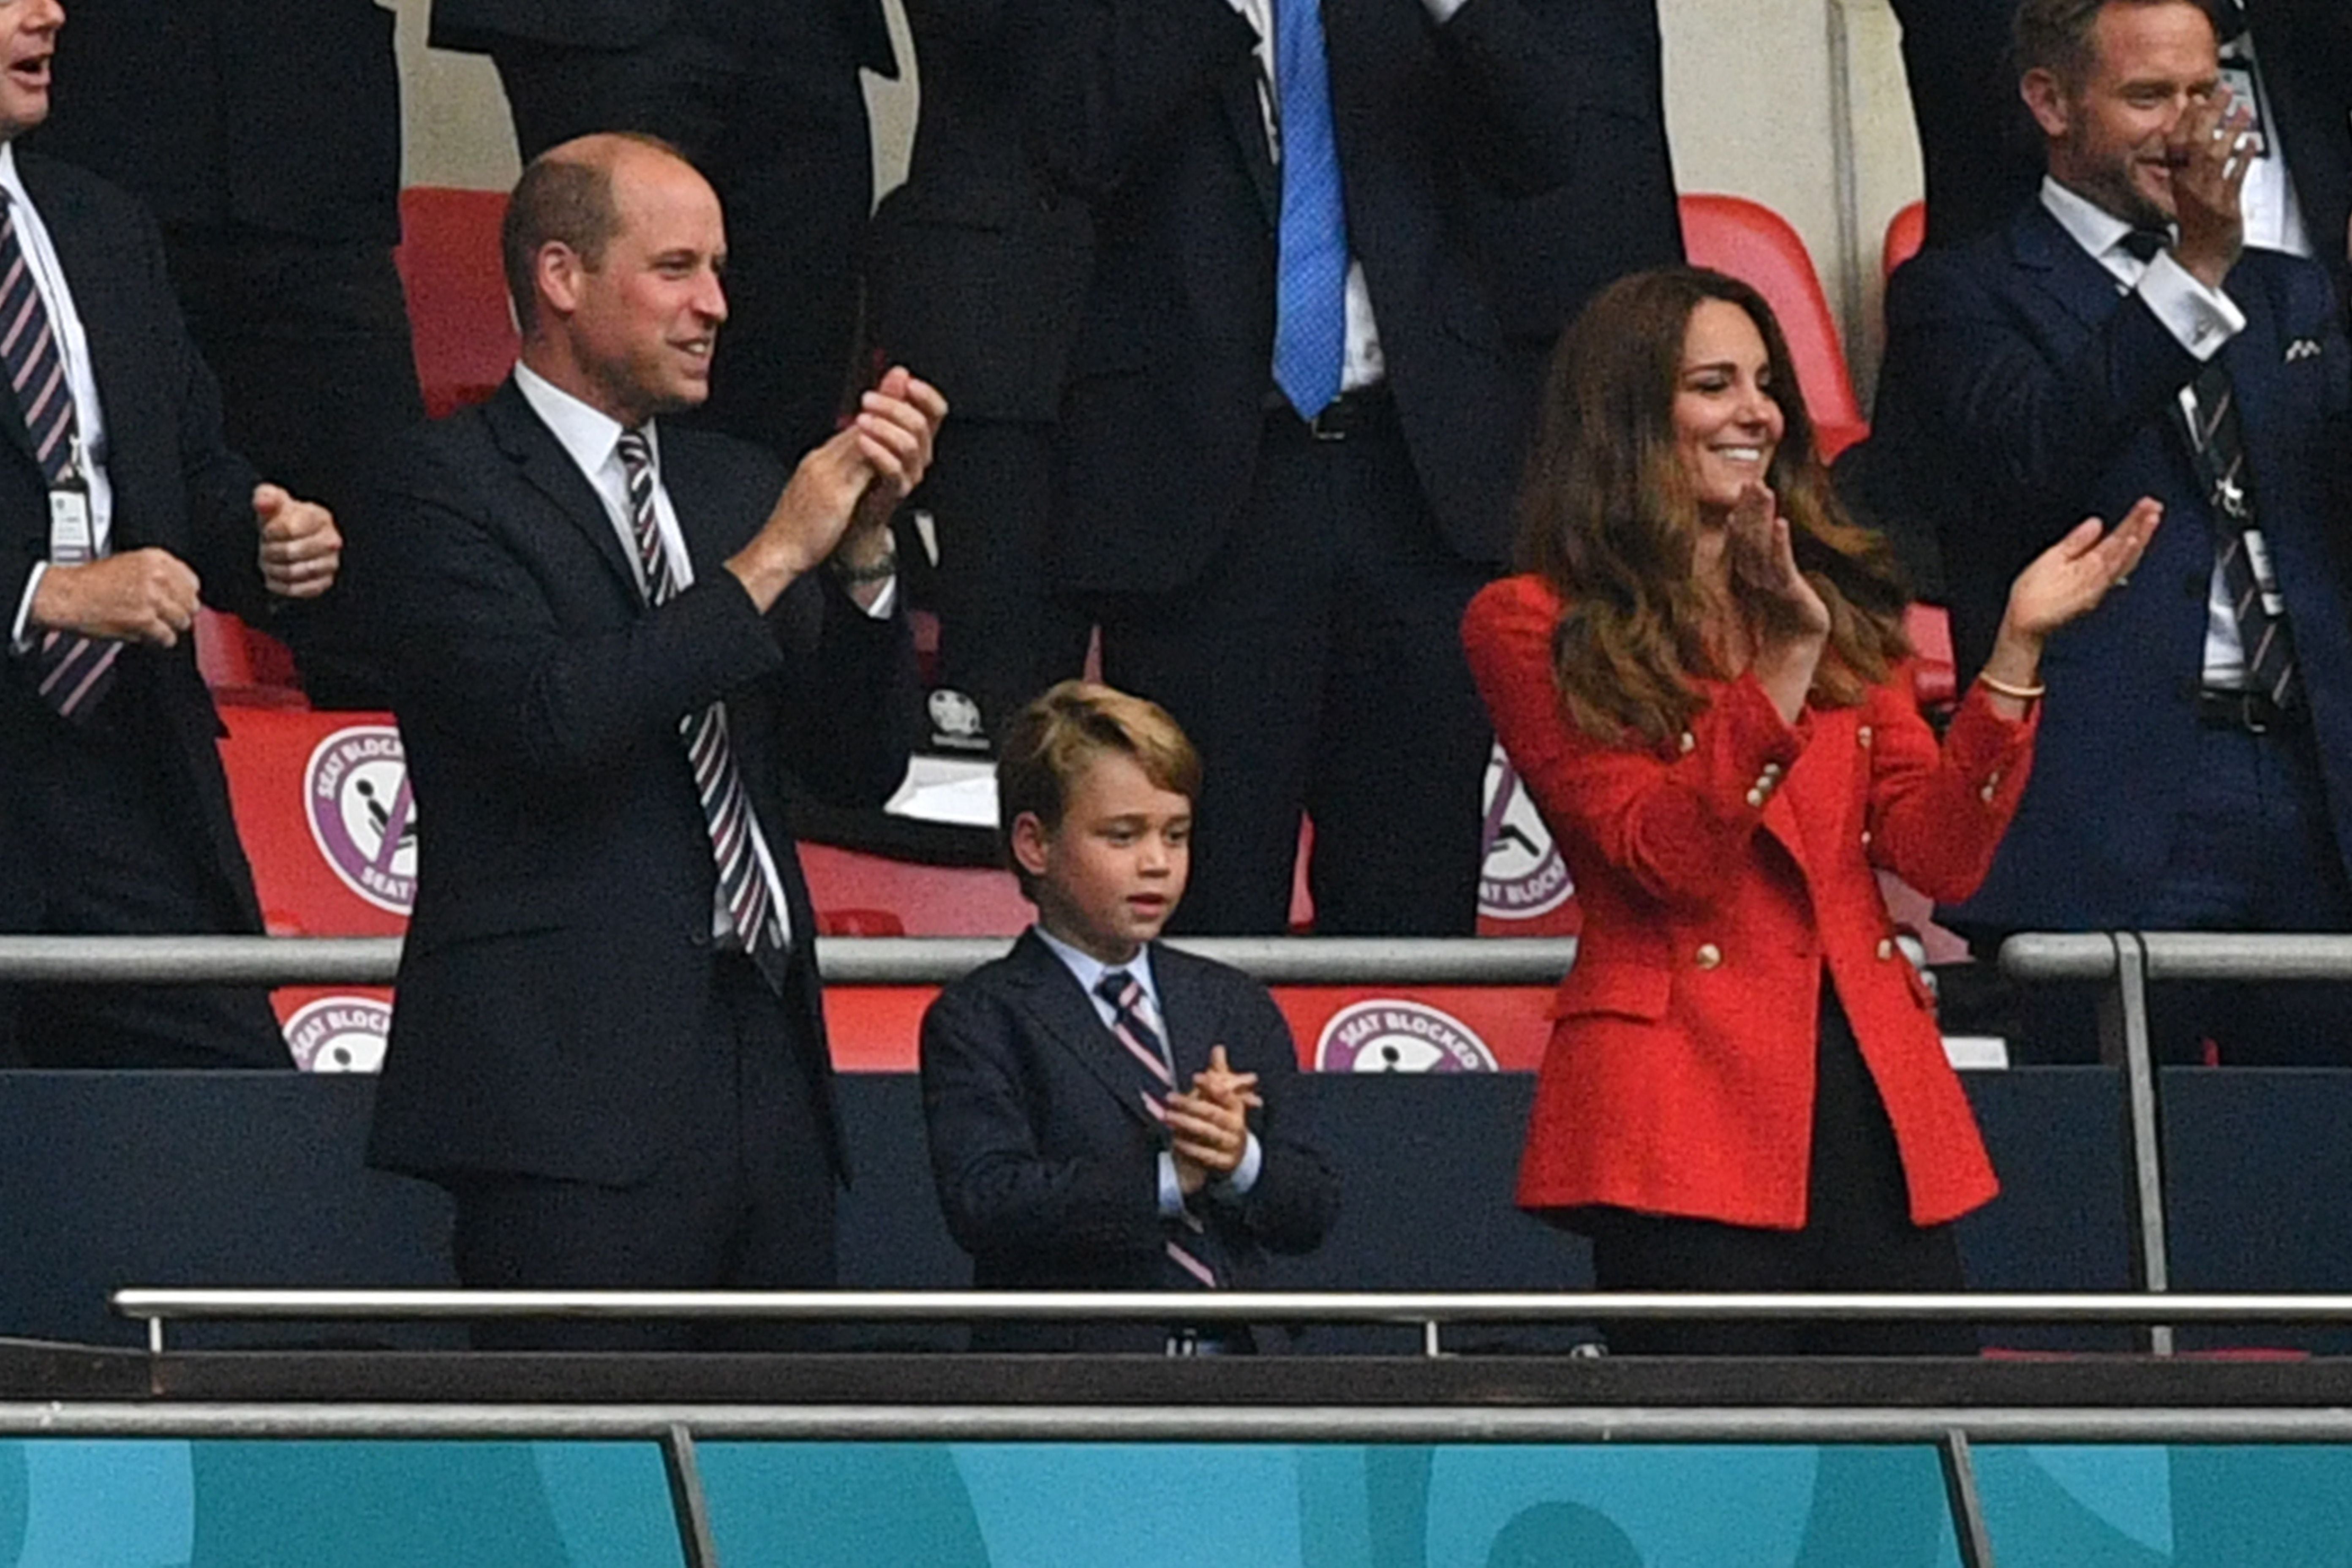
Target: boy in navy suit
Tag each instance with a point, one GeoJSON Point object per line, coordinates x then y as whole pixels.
{"type": "Point", "coordinates": [1105, 1112]}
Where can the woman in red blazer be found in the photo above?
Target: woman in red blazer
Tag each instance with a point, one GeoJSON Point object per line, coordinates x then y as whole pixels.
{"type": "Point", "coordinates": [1701, 678]}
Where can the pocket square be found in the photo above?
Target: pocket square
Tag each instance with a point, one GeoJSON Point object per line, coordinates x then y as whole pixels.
{"type": "Point", "coordinates": [2302, 348]}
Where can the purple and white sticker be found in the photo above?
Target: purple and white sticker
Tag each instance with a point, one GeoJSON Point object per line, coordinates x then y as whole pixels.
{"type": "Point", "coordinates": [340, 1033]}
{"type": "Point", "coordinates": [1523, 874]}
{"type": "Point", "coordinates": [1393, 1035]}
{"type": "Point", "coordinates": [356, 795]}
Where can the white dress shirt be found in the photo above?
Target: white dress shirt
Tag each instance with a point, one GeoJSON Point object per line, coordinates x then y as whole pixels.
{"type": "Point", "coordinates": [1364, 364]}
{"type": "Point", "coordinates": [592, 437]}
{"type": "Point", "coordinates": [73, 348]}
{"type": "Point", "coordinates": [2200, 319]}
{"type": "Point", "coordinates": [1088, 971]}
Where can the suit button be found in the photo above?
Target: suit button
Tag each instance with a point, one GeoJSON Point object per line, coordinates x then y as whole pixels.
{"type": "Point", "coordinates": [1688, 742]}
{"type": "Point", "coordinates": [1863, 735]}
{"type": "Point", "coordinates": [1709, 956]}
{"type": "Point", "coordinates": [1866, 839]}
{"type": "Point", "coordinates": [1885, 948]}
{"type": "Point", "coordinates": [700, 939]}
{"type": "Point", "coordinates": [1756, 796]}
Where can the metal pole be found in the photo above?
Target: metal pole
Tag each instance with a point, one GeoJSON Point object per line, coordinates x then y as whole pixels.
{"type": "Point", "coordinates": [1845, 171]}
{"type": "Point", "coordinates": [1968, 1506]}
{"type": "Point", "coordinates": [2123, 1040]}
{"type": "Point", "coordinates": [685, 1496]}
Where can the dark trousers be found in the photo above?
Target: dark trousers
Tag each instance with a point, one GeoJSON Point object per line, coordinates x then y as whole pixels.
{"type": "Point", "coordinates": [785, 145]}
{"type": "Point", "coordinates": [1003, 637]}
{"type": "Point", "coordinates": [2253, 850]}
{"type": "Point", "coordinates": [1317, 665]}
{"type": "Point", "coordinates": [1858, 1235]}
{"type": "Point", "coordinates": [311, 343]}
{"type": "Point", "coordinates": [744, 1201]}
{"type": "Point", "coordinates": [114, 846]}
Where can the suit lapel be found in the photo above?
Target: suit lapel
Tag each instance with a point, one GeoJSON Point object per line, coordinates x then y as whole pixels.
{"type": "Point", "coordinates": [1247, 117]}
{"type": "Point", "coordinates": [1185, 1011]}
{"type": "Point", "coordinates": [542, 460]}
{"type": "Point", "coordinates": [2068, 273]}
{"type": "Point", "coordinates": [1071, 1022]}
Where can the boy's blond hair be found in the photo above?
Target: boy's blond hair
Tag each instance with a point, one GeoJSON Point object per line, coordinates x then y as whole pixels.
{"type": "Point", "coordinates": [1050, 744]}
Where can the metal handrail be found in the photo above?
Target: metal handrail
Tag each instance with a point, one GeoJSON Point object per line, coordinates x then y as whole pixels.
{"type": "Point", "coordinates": [844, 961]}
{"type": "Point", "coordinates": [1428, 1310]}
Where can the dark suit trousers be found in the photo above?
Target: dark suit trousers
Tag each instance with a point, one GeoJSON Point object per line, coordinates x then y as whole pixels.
{"type": "Point", "coordinates": [1003, 639]}
{"type": "Point", "coordinates": [744, 1201]}
{"type": "Point", "coordinates": [791, 156]}
{"type": "Point", "coordinates": [1858, 1235]}
{"type": "Point", "coordinates": [117, 847]}
{"type": "Point", "coordinates": [1317, 665]}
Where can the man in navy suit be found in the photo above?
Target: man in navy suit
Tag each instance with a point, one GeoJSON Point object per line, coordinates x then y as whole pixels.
{"type": "Point", "coordinates": [2117, 339]}
{"type": "Point", "coordinates": [1302, 376]}
{"type": "Point", "coordinates": [612, 637]}
{"type": "Point", "coordinates": [121, 507]}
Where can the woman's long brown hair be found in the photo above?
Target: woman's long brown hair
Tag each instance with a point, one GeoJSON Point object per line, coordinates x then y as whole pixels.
{"type": "Point", "coordinates": [1607, 516]}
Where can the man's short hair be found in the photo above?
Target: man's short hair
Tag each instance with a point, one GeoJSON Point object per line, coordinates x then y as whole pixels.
{"type": "Point", "coordinates": [565, 199]}
{"type": "Point", "coordinates": [2061, 36]}
{"type": "Point", "coordinates": [1050, 744]}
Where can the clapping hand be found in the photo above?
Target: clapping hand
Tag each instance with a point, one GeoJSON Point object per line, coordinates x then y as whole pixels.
{"type": "Point", "coordinates": [1208, 1127]}
{"type": "Point", "coordinates": [2067, 581]}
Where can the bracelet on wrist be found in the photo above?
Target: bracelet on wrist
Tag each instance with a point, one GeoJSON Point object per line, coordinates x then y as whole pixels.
{"type": "Point", "coordinates": [2022, 693]}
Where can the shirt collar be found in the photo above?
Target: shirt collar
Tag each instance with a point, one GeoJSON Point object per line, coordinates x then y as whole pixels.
{"type": "Point", "coordinates": [10, 177]}
{"type": "Point", "coordinates": [588, 432]}
{"type": "Point", "coordinates": [2092, 227]}
{"type": "Point", "coordinates": [1088, 969]}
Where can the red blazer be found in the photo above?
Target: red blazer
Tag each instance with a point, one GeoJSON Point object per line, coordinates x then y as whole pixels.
{"type": "Point", "coordinates": [1718, 877]}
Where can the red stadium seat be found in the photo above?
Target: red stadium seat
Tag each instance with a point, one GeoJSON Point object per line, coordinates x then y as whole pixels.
{"type": "Point", "coordinates": [1904, 235]}
{"type": "Point", "coordinates": [1934, 677]}
{"type": "Point", "coordinates": [449, 267]}
{"type": "Point", "coordinates": [1756, 245]}
{"type": "Point", "coordinates": [245, 667]}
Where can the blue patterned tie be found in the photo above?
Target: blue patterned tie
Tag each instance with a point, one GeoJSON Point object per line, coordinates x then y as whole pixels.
{"type": "Point", "coordinates": [1310, 319]}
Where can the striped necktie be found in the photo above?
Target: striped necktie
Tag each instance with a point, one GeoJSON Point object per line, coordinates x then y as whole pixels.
{"type": "Point", "coordinates": [1191, 1252]}
{"type": "Point", "coordinates": [75, 671]}
{"type": "Point", "coordinates": [718, 782]}
{"type": "Point", "coordinates": [2218, 438]}
{"type": "Point", "coordinates": [1310, 318]}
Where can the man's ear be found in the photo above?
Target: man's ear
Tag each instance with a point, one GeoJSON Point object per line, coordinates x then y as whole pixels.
{"type": "Point", "coordinates": [2046, 95]}
{"type": "Point", "coordinates": [558, 273]}
{"type": "Point", "coordinates": [1032, 842]}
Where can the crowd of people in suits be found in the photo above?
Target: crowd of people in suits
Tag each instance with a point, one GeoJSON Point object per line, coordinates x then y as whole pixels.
{"type": "Point", "coordinates": [1243, 309]}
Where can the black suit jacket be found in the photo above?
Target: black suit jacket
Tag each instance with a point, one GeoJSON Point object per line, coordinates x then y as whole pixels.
{"type": "Point", "coordinates": [854, 31]}
{"type": "Point", "coordinates": [1150, 109]}
{"type": "Point", "coordinates": [176, 487]}
{"type": "Point", "coordinates": [2025, 393]}
{"type": "Point", "coordinates": [1983, 152]}
{"type": "Point", "coordinates": [276, 115]}
{"type": "Point", "coordinates": [978, 263]}
{"type": "Point", "coordinates": [1046, 1160]}
{"type": "Point", "coordinates": [557, 978]}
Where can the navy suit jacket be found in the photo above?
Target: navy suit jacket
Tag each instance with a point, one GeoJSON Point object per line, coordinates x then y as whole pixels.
{"type": "Point", "coordinates": [1046, 1160]}
{"type": "Point", "coordinates": [2025, 393]}
{"type": "Point", "coordinates": [557, 979]}
{"type": "Point", "coordinates": [1150, 109]}
{"type": "Point", "coordinates": [177, 486]}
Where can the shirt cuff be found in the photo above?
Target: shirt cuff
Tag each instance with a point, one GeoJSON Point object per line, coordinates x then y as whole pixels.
{"type": "Point", "coordinates": [20, 640]}
{"type": "Point", "coordinates": [1245, 1174]}
{"type": "Point", "coordinates": [1171, 1193]}
{"type": "Point", "coordinates": [2200, 319]}
{"type": "Point", "coordinates": [884, 601]}
{"type": "Point", "coordinates": [1441, 11]}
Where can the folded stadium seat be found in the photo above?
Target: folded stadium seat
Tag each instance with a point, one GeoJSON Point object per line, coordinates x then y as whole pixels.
{"type": "Point", "coordinates": [1906, 233]}
{"type": "Point", "coordinates": [450, 270]}
{"type": "Point", "coordinates": [247, 668]}
{"type": "Point", "coordinates": [1934, 679]}
{"type": "Point", "coordinates": [1755, 244]}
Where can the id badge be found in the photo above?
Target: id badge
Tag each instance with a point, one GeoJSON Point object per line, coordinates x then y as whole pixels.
{"type": "Point", "coordinates": [73, 538]}
{"type": "Point", "coordinates": [2239, 80]}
